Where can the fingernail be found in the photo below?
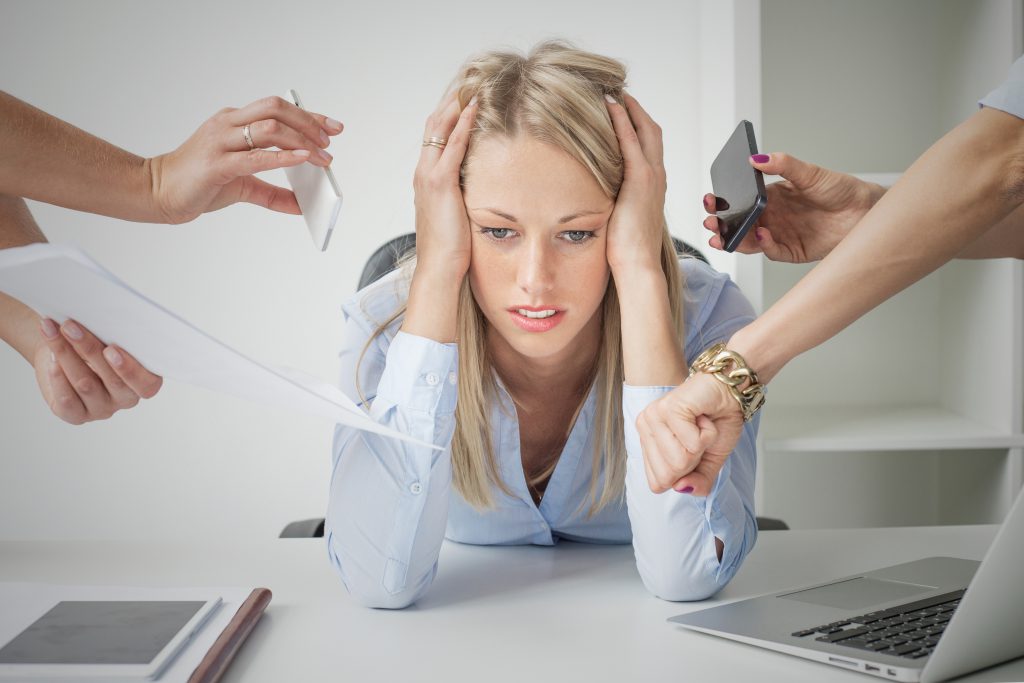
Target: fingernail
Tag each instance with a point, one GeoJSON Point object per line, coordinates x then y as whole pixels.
{"type": "Point", "coordinates": [49, 328]}
{"type": "Point", "coordinates": [73, 331]}
{"type": "Point", "coordinates": [303, 153]}
{"type": "Point", "coordinates": [687, 489]}
{"type": "Point", "coordinates": [472, 101]}
{"type": "Point", "coordinates": [113, 357]}
{"type": "Point", "coordinates": [707, 203]}
{"type": "Point", "coordinates": [324, 139]}
{"type": "Point", "coordinates": [609, 98]}
{"type": "Point", "coordinates": [325, 156]}
{"type": "Point", "coordinates": [761, 158]}
{"type": "Point", "coordinates": [758, 235]}
{"type": "Point", "coordinates": [333, 124]}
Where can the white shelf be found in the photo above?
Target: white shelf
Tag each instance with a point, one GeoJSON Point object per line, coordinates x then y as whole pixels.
{"type": "Point", "coordinates": [921, 428]}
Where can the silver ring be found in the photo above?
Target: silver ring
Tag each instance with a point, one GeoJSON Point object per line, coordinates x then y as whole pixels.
{"type": "Point", "coordinates": [248, 137]}
{"type": "Point", "coordinates": [435, 142]}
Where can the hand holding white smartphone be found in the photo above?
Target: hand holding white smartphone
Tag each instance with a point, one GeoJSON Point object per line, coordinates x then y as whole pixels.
{"type": "Point", "coordinates": [317, 192]}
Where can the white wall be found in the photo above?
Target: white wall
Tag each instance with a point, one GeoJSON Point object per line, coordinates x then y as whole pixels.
{"type": "Point", "coordinates": [144, 75]}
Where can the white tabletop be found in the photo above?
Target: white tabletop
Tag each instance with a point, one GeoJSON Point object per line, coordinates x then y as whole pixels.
{"type": "Point", "coordinates": [569, 613]}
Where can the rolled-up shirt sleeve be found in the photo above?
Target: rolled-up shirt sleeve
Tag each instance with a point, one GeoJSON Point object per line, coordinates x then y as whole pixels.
{"type": "Point", "coordinates": [673, 533]}
{"type": "Point", "coordinates": [388, 502]}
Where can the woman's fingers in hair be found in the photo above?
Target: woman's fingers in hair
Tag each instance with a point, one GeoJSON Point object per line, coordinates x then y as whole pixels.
{"type": "Point", "coordinates": [647, 131]}
{"type": "Point", "coordinates": [439, 126]}
{"type": "Point", "coordinates": [458, 142]}
{"type": "Point", "coordinates": [629, 142]}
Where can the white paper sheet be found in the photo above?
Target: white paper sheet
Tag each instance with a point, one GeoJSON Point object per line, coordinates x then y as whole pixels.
{"type": "Point", "coordinates": [61, 282]}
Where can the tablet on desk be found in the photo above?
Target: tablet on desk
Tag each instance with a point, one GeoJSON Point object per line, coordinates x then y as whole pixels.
{"type": "Point", "coordinates": [117, 640]}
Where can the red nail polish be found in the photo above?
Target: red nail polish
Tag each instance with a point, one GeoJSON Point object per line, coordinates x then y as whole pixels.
{"type": "Point", "coordinates": [761, 158]}
{"type": "Point", "coordinates": [686, 489]}
{"type": "Point", "coordinates": [757, 235]}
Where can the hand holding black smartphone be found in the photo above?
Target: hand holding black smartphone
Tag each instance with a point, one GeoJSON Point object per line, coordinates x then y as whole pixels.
{"type": "Point", "coordinates": [738, 186]}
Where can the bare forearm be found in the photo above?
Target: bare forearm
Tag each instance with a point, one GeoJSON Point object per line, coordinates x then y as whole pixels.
{"type": "Point", "coordinates": [1005, 239]}
{"type": "Point", "coordinates": [432, 309]}
{"type": "Point", "coordinates": [969, 181]}
{"type": "Point", "coordinates": [44, 158]}
{"type": "Point", "coordinates": [651, 351]}
{"type": "Point", "coordinates": [18, 323]}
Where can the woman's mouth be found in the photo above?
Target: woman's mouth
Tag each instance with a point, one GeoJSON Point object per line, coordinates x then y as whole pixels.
{"type": "Point", "coordinates": [536, 318]}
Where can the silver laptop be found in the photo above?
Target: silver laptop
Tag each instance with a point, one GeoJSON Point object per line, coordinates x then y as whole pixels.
{"type": "Point", "coordinates": [928, 620]}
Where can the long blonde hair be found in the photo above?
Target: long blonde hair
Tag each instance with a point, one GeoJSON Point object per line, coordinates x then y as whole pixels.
{"type": "Point", "coordinates": [554, 94]}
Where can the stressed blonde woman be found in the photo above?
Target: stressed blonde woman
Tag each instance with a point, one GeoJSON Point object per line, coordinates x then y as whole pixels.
{"type": "Point", "coordinates": [545, 309]}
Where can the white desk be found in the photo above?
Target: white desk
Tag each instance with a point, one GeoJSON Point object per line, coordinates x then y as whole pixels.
{"type": "Point", "coordinates": [569, 613]}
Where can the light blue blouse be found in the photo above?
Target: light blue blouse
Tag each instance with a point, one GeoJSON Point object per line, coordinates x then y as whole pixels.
{"type": "Point", "coordinates": [1009, 96]}
{"type": "Point", "coordinates": [391, 504]}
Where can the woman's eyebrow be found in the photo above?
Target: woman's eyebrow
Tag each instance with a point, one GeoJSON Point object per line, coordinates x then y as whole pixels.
{"type": "Point", "coordinates": [564, 219]}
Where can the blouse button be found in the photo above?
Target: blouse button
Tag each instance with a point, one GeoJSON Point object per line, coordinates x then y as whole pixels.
{"type": "Point", "coordinates": [415, 488]}
{"type": "Point", "coordinates": [432, 379]}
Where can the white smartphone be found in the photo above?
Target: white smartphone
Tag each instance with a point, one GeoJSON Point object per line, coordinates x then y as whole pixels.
{"type": "Point", "coordinates": [317, 192]}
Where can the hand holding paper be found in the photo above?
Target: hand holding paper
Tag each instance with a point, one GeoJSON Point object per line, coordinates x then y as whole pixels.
{"type": "Point", "coordinates": [62, 283]}
{"type": "Point", "coordinates": [82, 379]}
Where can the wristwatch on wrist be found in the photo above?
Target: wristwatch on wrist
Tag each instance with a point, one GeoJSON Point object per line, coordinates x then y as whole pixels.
{"type": "Point", "coordinates": [729, 368]}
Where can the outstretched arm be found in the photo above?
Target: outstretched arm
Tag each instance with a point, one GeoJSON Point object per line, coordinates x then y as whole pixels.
{"type": "Point", "coordinates": [47, 159]}
{"type": "Point", "coordinates": [967, 184]}
{"type": "Point", "coordinates": [964, 185]}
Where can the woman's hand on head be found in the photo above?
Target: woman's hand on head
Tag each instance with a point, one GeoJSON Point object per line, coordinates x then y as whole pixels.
{"type": "Point", "coordinates": [215, 167]}
{"type": "Point", "coordinates": [807, 215]}
{"type": "Point", "coordinates": [82, 379]}
{"type": "Point", "coordinates": [637, 224]}
{"type": "Point", "coordinates": [442, 225]}
{"type": "Point", "coordinates": [687, 434]}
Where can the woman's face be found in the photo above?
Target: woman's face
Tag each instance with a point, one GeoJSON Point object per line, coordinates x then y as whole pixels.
{"type": "Point", "coordinates": [538, 268]}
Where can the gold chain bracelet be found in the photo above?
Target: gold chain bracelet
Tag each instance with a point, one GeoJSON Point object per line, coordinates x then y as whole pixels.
{"type": "Point", "coordinates": [729, 368]}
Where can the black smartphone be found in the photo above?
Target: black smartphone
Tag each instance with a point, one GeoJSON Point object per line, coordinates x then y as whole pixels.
{"type": "Point", "coordinates": [738, 186]}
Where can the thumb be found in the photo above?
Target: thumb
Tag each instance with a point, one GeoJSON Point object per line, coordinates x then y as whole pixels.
{"type": "Point", "coordinates": [261, 193]}
{"type": "Point", "coordinates": [701, 481]}
{"type": "Point", "coordinates": [695, 482]}
{"type": "Point", "coordinates": [708, 431]}
{"type": "Point", "coordinates": [769, 247]}
{"type": "Point", "coordinates": [802, 174]}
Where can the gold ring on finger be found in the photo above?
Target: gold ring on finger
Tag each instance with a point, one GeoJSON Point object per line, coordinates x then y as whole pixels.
{"type": "Point", "coordinates": [247, 134]}
{"type": "Point", "coordinates": [435, 142]}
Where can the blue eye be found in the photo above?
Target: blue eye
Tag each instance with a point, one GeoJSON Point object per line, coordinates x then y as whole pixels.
{"type": "Point", "coordinates": [578, 236]}
{"type": "Point", "coordinates": [497, 233]}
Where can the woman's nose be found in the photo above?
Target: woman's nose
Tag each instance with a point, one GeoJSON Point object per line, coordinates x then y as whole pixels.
{"type": "Point", "coordinates": [536, 274]}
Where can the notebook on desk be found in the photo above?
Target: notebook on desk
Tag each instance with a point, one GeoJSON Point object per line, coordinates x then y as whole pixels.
{"type": "Point", "coordinates": [52, 634]}
{"type": "Point", "coordinates": [928, 620]}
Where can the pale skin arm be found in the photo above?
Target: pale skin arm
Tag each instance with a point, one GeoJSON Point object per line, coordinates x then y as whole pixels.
{"type": "Point", "coordinates": [967, 184]}
{"type": "Point", "coordinates": [80, 378]}
{"type": "Point", "coordinates": [813, 208]}
{"type": "Point", "coordinates": [963, 186]}
{"type": "Point", "coordinates": [650, 347]}
{"type": "Point", "coordinates": [49, 160]}
{"type": "Point", "coordinates": [651, 352]}
{"type": "Point", "coordinates": [442, 226]}
{"type": "Point", "coordinates": [18, 323]}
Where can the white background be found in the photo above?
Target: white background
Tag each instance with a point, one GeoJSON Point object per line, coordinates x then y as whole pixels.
{"type": "Point", "coordinates": [144, 75]}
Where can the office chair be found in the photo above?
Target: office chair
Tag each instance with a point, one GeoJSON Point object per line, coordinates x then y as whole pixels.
{"type": "Point", "coordinates": [382, 262]}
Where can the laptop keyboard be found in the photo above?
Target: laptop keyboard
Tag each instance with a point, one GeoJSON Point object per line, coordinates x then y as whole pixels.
{"type": "Point", "coordinates": [911, 630]}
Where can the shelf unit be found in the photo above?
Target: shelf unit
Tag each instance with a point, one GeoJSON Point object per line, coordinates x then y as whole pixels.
{"type": "Point", "coordinates": [915, 413]}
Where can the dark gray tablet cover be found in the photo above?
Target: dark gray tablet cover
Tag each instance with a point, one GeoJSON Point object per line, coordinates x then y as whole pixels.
{"type": "Point", "coordinates": [100, 632]}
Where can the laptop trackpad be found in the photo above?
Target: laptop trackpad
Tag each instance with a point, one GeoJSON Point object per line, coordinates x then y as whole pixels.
{"type": "Point", "coordinates": [857, 593]}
